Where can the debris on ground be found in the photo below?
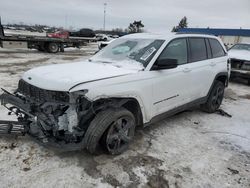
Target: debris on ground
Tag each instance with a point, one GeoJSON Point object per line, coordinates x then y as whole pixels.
{"type": "Point", "coordinates": [223, 113]}
{"type": "Point", "coordinates": [233, 171]}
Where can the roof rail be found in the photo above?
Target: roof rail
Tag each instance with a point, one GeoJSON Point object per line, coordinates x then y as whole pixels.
{"type": "Point", "coordinates": [194, 33]}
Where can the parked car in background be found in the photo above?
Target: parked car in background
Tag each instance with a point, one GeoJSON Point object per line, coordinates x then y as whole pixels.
{"type": "Point", "coordinates": [239, 55]}
{"type": "Point", "coordinates": [103, 44]}
{"type": "Point", "coordinates": [115, 36]}
{"type": "Point", "coordinates": [85, 32]}
{"type": "Point", "coordinates": [59, 34]}
{"type": "Point", "coordinates": [103, 37]}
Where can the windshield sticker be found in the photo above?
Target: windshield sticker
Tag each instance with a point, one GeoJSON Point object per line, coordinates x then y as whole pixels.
{"type": "Point", "coordinates": [148, 53]}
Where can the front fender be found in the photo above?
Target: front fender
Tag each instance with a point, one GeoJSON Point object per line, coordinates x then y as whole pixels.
{"type": "Point", "coordinates": [145, 112]}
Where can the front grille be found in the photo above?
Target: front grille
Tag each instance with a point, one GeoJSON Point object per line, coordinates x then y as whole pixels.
{"type": "Point", "coordinates": [240, 64]}
{"type": "Point", "coordinates": [246, 65]}
{"type": "Point", "coordinates": [235, 63]}
{"type": "Point", "coordinates": [41, 95]}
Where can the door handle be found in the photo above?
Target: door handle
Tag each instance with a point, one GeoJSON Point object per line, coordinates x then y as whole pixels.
{"type": "Point", "coordinates": [186, 70]}
{"type": "Point", "coordinates": [212, 64]}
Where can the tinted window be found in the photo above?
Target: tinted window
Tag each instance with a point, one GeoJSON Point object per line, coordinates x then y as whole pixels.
{"type": "Point", "coordinates": [176, 49]}
{"type": "Point", "coordinates": [198, 49]}
{"type": "Point", "coordinates": [216, 47]}
{"type": "Point", "coordinates": [209, 52]}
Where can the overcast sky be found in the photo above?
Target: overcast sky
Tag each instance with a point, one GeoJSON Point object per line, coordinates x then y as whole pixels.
{"type": "Point", "coordinates": [157, 15]}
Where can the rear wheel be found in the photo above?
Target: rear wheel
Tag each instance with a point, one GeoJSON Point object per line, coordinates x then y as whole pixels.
{"type": "Point", "coordinates": [113, 130]}
{"type": "Point", "coordinates": [52, 47]}
{"type": "Point", "coordinates": [215, 98]}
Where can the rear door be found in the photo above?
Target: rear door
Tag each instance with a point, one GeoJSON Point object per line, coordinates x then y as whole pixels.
{"type": "Point", "coordinates": [200, 61]}
{"type": "Point", "coordinates": [220, 58]}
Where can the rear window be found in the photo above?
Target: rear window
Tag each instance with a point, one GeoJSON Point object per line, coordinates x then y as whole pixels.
{"type": "Point", "coordinates": [198, 49]}
{"type": "Point", "coordinates": [217, 49]}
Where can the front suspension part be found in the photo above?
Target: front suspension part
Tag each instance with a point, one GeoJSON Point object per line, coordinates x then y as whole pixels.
{"type": "Point", "coordinates": [12, 128]}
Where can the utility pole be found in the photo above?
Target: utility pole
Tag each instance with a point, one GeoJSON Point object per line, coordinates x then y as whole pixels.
{"type": "Point", "coordinates": [104, 19]}
{"type": "Point", "coordinates": [66, 21]}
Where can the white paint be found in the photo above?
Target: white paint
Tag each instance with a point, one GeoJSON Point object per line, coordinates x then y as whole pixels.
{"type": "Point", "coordinates": [128, 79]}
{"type": "Point", "coordinates": [239, 54]}
{"type": "Point", "coordinates": [63, 77]}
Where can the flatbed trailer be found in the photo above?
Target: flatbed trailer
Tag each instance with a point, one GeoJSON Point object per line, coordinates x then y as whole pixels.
{"type": "Point", "coordinates": [41, 43]}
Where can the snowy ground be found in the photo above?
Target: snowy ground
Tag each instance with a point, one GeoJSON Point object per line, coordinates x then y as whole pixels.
{"type": "Point", "coordinates": [191, 149]}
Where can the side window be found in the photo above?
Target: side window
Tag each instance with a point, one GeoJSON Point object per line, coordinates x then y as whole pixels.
{"type": "Point", "coordinates": [216, 47]}
{"type": "Point", "coordinates": [176, 49]}
{"type": "Point", "coordinates": [198, 49]}
{"type": "Point", "coordinates": [209, 52]}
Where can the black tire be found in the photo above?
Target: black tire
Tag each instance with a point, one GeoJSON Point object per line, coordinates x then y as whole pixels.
{"type": "Point", "coordinates": [52, 47]}
{"type": "Point", "coordinates": [215, 98]}
{"type": "Point", "coordinates": [100, 131]}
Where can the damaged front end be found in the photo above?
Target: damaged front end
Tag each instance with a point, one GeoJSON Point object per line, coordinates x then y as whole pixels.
{"type": "Point", "coordinates": [53, 117]}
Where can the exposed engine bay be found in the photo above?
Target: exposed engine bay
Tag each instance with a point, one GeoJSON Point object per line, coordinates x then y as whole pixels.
{"type": "Point", "coordinates": [240, 64]}
{"type": "Point", "coordinates": [53, 117]}
{"type": "Point", "coordinates": [240, 69]}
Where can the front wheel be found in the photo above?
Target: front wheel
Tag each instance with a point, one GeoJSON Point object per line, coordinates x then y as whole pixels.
{"type": "Point", "coordinates": [112, 129]}
{"type": "Point", "coordinates": [215, 98]}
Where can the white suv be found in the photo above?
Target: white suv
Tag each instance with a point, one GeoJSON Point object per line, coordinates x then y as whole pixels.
{"type": "Point", "coordinates": [134, 81]}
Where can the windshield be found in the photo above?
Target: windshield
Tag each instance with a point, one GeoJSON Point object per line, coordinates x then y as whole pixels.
{"type": "Point", "coordinates": [241, 47]}
{"type": "Point", "coordinates": [126, 51]}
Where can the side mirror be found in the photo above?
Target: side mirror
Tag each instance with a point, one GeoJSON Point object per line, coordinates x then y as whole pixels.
{"type": "Point", "coordinates": [165, 64]}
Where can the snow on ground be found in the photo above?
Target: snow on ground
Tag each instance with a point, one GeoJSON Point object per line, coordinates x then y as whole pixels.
{"type": "Point", "coordinates": [191, 149]}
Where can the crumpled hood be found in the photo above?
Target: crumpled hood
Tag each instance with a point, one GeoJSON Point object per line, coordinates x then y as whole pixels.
{"type": "Point", "coordinates": [62, 77]}
{"type": "Point", "coordinates": [239, 54]}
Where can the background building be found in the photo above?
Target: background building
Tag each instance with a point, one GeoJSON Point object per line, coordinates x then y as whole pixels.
{"type": "Point", "coordinates": [228, 36]}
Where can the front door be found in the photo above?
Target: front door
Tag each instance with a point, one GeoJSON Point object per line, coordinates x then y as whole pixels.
{"type": "Point", "coordinates": [171, 87]}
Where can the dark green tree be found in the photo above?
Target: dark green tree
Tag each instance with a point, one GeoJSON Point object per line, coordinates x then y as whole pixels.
{"type": "Point", "coordinates": [182, 24]}
{"type": "Point", "coordinates": [135, 27]}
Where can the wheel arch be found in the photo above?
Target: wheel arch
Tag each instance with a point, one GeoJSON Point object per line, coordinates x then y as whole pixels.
{"type": "Point", "coordinates": [222, 77]}
{"type": "Point", "coordinates": [133, 106]}
{"type": "Point", "coordinates": [129, 103]}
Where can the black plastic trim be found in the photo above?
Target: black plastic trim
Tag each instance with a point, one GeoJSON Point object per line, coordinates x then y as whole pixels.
{"type": "Point", "coordinates": [166, 99]}
{"type": "Point", "coordinates": [176, 110]}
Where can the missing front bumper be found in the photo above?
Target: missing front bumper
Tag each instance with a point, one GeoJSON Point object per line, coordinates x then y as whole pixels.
{"type": "Point", "coordinates": [12, 128]}
{"type": "Point", "coordinates": [15, 128]}
{"type": "Point", "coordinates": [31, 124]}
